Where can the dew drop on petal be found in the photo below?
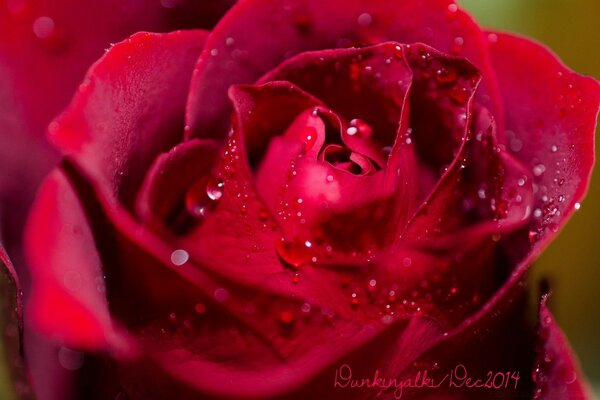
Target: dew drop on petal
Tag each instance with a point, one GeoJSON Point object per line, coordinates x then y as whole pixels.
{"type": "Point", "coordinates": [539, 169]}
{"type": "Point", "coordinates": [308, 138]}
{"type": "Point", "coordinates": [577, 206]}
{"type": "Point", "coordinates": [286, 320]}
{"type": "Point", "coordinates": [214, 189]}
{"type": "Point", "coordinates": [200, 308]}
{"type": "Point", "coordinates": [70, 360]}
{"type": "Point", "coordinates": [43, 27]}
{"type": "Point", "coordinates": [179, 257]}
{"type": "Point", "coordinates": [365, 20]}
{"type": "Point", "coordinates": [445, 76]}
{"type": "Point", "coordinates": [221, 295]}
{"type": "Point", "coordinates": [359, 127]}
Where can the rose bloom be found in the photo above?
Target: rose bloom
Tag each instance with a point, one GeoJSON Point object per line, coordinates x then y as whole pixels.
{"type": "Point", "coordinates": [309, 187]}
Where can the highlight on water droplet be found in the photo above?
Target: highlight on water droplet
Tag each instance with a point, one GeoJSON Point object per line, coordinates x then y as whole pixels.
{"type": "Point", "coordinates": [359, 127]}
{"type": "Point", "coordinates": [214, 189]}
{"type": "Point", "coordinates": [446, 76]}
{"type": "Point", "coordinates": [202, 196]}
{"type": "Point", "coordinates": [309, 138]}
{"type": "Point", "coordinates": [179, 257]}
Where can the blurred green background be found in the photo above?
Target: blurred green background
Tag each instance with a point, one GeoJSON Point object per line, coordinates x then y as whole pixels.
{"type": "Point", "coordinates": [571, 28]}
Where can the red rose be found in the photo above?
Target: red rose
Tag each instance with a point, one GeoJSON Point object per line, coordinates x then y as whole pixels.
{"type": "Point", "coordinates": [339, 190]}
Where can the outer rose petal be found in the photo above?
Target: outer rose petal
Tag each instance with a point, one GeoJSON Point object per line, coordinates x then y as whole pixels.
{"type": "Point", "coordinates": [557, 374]}
{"type": "Point", "coordinates": [305, 356]}
{"type": "Point", "coordinates": [550, 122]}
{"type": "Point", "coordinates": [39, 75]}
{"type": "Point", "coordinates": [257, 35]}
{"type": "Point", "coordinates": [129, 108]}
{"type": "Point", "coordinates": [68, 299]}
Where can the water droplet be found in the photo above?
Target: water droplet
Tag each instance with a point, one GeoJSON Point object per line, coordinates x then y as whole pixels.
{"type": "Point", "coordinates": [296, 278]}
{"type": "Point", "coordinates": [221, 295]}
{"type": "Point", "coordinates": [452, 8]}
{"type": "Point", "coordinates": [539, 169]}
{"type": "Point", "coordinates": [179, 257]}
{"type": "Point", "coordinates": [407, 261]}
{"type": "Point", "coordinates": [460, 94]}
{"type": "Point", "coordinates": [360, 127]}
{"type": "Point", "coordinates": [354, 301]}
{"type": "Point", "coordinates": [263, 214]}
{"type": "Point", "coordinates": [294, 254]}
{"type": "Point", "coordinates": [457, 45]}
{"type": "Point", "coordinates": [305, 308]}
{"type": "Point", "coordinates": [214, 189]}
{"type": "Point", "coordinates": [516, 145]}
{"type": "Point", "coordinates": [43, 27]}
{"type": "Point", "coordinates": [286, 321]}
{"type": "Point", "coordinates": [492, 38]}
{"type": "Point", "coordinates": [229, 41]}
{"type": "Point", "coordinates": [537, 213]}
{"type": "Point", "coordinates": [445, 76]}
{"type": "Point", "coordinates": [200, 308]}
{"type": "Point", "coordinates": [365, 20]}
{"type": "Point", "coordinates": [70, 360]}
{"type": "Point", "coordinates": [533, 236]}
{"type": "Point", "coordinates": [554, 148]}
{"type": "Point", "coordinates": [308, 138]}
{"type": "Point", "coordinates": [577, 206]}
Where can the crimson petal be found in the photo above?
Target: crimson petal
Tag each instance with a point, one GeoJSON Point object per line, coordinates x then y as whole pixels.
{"type": "Point", "coordinates": [556, 372]}
{"type": "Point", "coordinates": [550, 122]}
{"type": "Point", "coordinates": [113, 126]}
{"type": "Point", "coordinates": [256, 36]}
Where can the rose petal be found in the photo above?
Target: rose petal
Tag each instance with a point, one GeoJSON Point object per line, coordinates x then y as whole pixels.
{"type": "Point", "coordinates": [556, 374]}
{"type": "Point", "coordinates": [129, 108]}
{"type": "Point", "coordinates": [46, 48]}
{"type": "Point", "coordinates": [491, 358]}
{"type": "Point", "coordinates": [143, 306]}
{"type": "Point", "coordinates": [484, 192]}
{"type": "Point", "coordinates": [369, 84]}
{"type": "Point", "coordinates": [162, 196]}
{"type": "Point", "coordinates": [550, 126]}
{"type": "Point", "coordinates": [68, 300]}
{"type": "Point", "coordinates": [241, 48]}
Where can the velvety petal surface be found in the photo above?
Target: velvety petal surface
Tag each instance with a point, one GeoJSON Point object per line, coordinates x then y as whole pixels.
{"type": "Point", "coordinates": [556, 373]}
{"type": "Point", "coordinates": [46, 48]}
{"type": "Point", "coordinates": [68, 301]}
{"type": "Point", "coordinates": [256, 36]}
{"type": "Point", "coordinates": [550, 122]}
{"type": "Point", "coordinates": [129, 108]}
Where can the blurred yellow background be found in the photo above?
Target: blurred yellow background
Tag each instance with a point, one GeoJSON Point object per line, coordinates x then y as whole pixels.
{"type": "Point", "coordinates": [571, 28]}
